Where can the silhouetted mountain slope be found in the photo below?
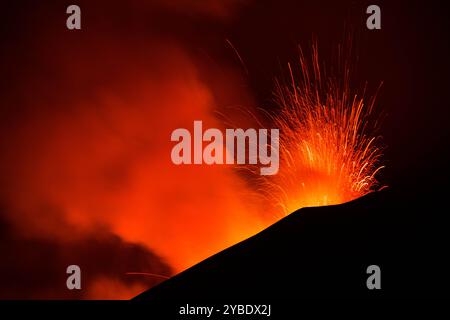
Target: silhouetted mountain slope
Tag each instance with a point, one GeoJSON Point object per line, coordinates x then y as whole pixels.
{"type": "Point", "coordinates": [322, 252]}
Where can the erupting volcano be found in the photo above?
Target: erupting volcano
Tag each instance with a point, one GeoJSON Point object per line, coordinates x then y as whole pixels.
{"type": "Point", "coordinates": [191, 145]}
{"type": "Point", "coordinates": [86, 151]}
{"type": "Point", "coordinates": [329, 153]}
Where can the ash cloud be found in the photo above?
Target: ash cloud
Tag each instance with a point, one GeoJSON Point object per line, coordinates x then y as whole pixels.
{"type": "Point", "coordinates": [86, 176]}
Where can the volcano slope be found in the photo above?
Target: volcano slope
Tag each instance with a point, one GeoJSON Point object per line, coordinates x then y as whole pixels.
{"type": "Point", "coordinates": [323, 252]}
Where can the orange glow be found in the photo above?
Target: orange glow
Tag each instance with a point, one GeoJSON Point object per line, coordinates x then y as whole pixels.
{"type": "Point", "coordinates": [328, 153]}
{"type": "Point", "coordinates": [90, 150]}
{"type": "Point", "coordinates": [101, 160]}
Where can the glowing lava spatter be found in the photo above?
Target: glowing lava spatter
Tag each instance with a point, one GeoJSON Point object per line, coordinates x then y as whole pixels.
{"type": "Point", "coordinates": [328, 151]}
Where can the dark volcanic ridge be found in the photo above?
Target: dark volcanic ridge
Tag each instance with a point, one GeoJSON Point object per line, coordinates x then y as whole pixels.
{"type": "Point", "coordinates": [320, 252]}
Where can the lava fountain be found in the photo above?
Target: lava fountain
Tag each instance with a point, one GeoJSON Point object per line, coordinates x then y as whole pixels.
{"type": "Point", "coordinates": [329, 153]}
